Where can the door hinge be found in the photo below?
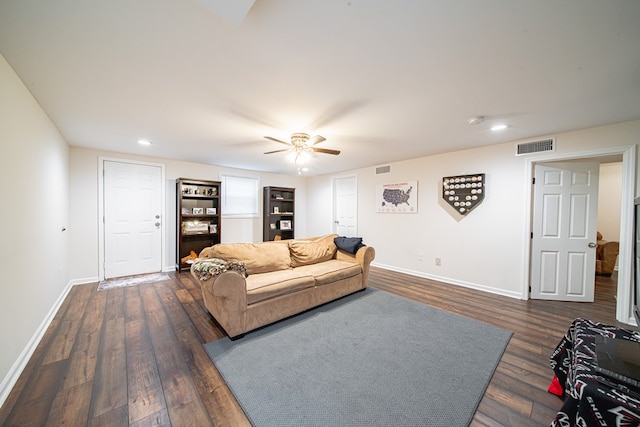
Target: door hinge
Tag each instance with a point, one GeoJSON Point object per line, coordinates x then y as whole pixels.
{"type": "Point", "coordinates": [533, 180]}
{"type": "Point", "coordinates": [532, 234]}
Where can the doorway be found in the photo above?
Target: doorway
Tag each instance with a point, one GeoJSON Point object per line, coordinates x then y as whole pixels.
{"type": "Point", "coordinates": [628, 157]}
{"type": "Point", "coordinates": [345, 206]}
{"type": "Point", "coordinates": [563, 242]}
{"type": "Point", "coordinates": [131, 217]}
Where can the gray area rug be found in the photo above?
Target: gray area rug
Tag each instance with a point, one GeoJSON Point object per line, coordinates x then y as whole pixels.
{"type": "Point", "coordinates": [368, 359]}
{"type": "Point", "coordinates": [122, 282]}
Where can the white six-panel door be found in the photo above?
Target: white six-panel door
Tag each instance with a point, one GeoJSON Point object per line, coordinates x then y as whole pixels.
{"type": "Point", "coordinates": [132, 219]}
{"type": "Point", "coordinates": [345, 195]}
{"type": "Point", "coordinates": [564, 231]}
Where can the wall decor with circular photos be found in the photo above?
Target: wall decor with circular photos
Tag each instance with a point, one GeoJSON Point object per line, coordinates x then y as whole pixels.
{"type": "Point", "coordinates": [463, 192]}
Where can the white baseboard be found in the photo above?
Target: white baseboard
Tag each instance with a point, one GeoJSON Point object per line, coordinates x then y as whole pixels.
{"type": "Point", "coordinates": [14, 373]}
{"type": "Point", "coordinates": [84, 281]}
{"type": "Point", "coordinates": [450, 281]}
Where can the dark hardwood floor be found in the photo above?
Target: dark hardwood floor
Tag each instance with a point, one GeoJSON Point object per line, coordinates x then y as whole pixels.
{"type": "Point", "coordinates": [134, 356]}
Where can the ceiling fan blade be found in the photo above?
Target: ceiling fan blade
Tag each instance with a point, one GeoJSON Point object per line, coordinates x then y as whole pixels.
{"type": "Point", "coordinates": [316, 140]}
{"type": "Point", "coordinates": [326, 151]}
{"type": "Point", "coordinates": [277, 140]}
{"type": "Point", "coordinates": [276, 151]}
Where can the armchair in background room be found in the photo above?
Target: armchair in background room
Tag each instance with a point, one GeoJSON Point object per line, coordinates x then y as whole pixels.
{"type": "Point", "coordinates": [606, 256]}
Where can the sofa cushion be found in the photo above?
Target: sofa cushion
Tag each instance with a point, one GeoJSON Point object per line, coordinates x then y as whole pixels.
{"type": "Point", "coordinates": [305, 252]}
{"type": "Point", "coordinates": [330, 271]}
{"type": "Point", "coordinates": [261, 257]}
{"type": "Point", "coordinates": [264, 286]}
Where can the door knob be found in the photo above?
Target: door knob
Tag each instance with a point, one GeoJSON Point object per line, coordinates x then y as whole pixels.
{"type": "Point", "coordinates": [592, 245]}
{"type": "Point", "coordinates": [157, 224]}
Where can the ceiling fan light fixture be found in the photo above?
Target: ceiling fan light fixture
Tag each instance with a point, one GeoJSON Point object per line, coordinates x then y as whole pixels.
{"type": "Point", "coordinates": [299, 139]}
{"type": "Point", "coordinates": [301, 147]}
{"type": "Point", "coordinates": [299, 156]}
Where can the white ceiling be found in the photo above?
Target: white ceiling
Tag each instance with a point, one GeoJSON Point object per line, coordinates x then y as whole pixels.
{"type": "Point", "coordinates": [382, 80]}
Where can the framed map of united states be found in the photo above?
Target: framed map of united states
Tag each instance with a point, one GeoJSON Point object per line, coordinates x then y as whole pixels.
{"type": "Point", "coordinates": [401, 197]}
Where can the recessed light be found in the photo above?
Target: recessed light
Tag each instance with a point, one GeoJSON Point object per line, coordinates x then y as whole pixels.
{"type": "Point", "coordinates": [144, 142]}
{"type": "Point", "coordinates": [499, 127]}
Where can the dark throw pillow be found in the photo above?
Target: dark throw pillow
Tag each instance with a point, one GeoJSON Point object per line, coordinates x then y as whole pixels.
{"type": "Point", "coordinates": [349, 244]}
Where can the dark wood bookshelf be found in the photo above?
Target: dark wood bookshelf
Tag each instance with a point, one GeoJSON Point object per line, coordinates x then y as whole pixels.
{"type": "Point", "coordinates": [278, 213]}
{"type": "Point", "coordinates": [197, 217]}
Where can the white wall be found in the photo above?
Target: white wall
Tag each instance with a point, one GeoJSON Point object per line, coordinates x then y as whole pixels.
{"type": "Point", "coordinates": [84, 206]}
{"type": "Point", "coordinates": [609, 199]}
{"type": "Point", "coordinates": [33, 249]}
{"type": "Point", "coordinates": [484, 250]}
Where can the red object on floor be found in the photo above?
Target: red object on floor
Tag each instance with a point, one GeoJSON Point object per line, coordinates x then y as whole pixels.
{"type": "Point", "coordinates": [555, 387]}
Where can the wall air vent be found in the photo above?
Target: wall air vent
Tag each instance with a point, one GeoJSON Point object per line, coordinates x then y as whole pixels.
{"type": "Point", "coordinates": [383, 169]}
{"type": "Point", "coordinates": [540, 146]}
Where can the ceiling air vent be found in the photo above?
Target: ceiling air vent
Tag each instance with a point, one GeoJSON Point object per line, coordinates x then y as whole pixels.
{"type": "Point", "coordinates": [383, 169]}
{"type": "Point", "coordinates": [543, 145]}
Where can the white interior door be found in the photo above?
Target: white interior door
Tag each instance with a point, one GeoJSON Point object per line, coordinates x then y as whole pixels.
{"type": "Point", "coordinates": [132, 219]}
{"type": "Point", "coordinates": [345, 202]}
{"type": "Point", "coordinates": [564, 231]}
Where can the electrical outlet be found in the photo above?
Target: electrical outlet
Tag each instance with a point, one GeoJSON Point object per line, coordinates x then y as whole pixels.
{"type": "Point", "coordinates": [438, 262]}
{"type": "Point", "coordinates": [420, 256]}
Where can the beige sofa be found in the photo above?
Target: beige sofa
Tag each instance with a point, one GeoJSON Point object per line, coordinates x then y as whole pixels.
{"type": "Point", "coordinates": [284, 278]}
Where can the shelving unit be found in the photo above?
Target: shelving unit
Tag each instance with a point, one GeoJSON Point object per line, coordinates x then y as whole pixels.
{"type": "Point", "coordinates": [198, 217]}
{"type": "Point", "coordinates": [278, 213]}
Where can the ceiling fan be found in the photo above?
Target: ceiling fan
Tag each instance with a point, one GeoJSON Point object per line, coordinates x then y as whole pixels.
{"type": "Point", "coordinates": [301, 145]}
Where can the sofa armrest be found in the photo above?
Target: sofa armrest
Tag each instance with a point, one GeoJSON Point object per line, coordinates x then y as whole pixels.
{"type": "Point", "coordinates": [225, 296]}
{"type": "Point", "coordinates": [364, 256]}
{"type": "Point", "coordinates": [229, 285]}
